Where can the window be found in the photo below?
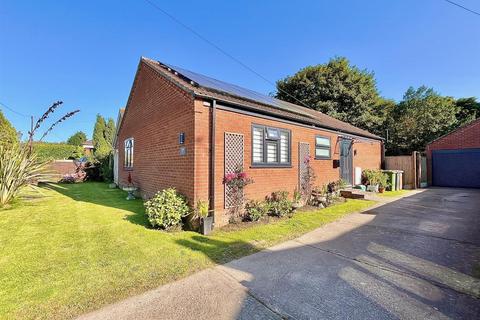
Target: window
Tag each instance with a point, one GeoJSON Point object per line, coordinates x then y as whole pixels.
{"type": "Point", "coordinates": [270, 146]}
{"type": "Point", "coordinates": [322, 147]}
{"type": "Point", "coordinates": [128, 153]}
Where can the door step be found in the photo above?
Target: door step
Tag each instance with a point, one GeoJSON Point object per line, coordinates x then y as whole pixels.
{"type": "Point", "coordinates": [351, 194]}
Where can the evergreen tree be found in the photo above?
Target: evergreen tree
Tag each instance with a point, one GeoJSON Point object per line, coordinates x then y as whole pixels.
{"type": "Point", "coordinates": [103, 135]}
{"type": "Point", "coordinates": [8, 134]}
{"type": "Point", "coordinates": [110, 131]}
{"type": "Point", "coordinates": [102, 147]}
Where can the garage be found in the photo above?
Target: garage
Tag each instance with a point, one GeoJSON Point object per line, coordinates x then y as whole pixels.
{"type": "Point", "coordinates": [453, 160]}
{"type": "Point", "coordinates": [456, 168]}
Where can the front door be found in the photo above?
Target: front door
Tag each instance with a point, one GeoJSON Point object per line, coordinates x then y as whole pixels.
{"type": "Point", "coordinates": [346, 160]}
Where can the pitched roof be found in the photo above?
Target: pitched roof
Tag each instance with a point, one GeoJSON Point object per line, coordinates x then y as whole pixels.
{"type": "Point", "coordinates": [88, 143]}
{"type": "Point", "coordinates": [465, 126]}
{"type": "Point", "coordinates": [203, 86]}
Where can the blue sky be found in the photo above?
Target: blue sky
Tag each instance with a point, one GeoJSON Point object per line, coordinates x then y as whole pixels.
{"type": "Point", "coordinates": [86, 52]}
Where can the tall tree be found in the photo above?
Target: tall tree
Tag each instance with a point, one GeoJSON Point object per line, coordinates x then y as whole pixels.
{"type": "Point", "coordinates": [8, 134]}
{"type": "Point", "coordinates": [338, 89]}
{"type": "Point", "coordinates": [77, 138]}
{"type": "Point", "coordinates": [110, 131]}
{"type": "Point", "coordinates": [102, 147]}
{"type": "Point", "coordinates": [422, 116]}
{"type": "Point", "coordinates": [468, 109]}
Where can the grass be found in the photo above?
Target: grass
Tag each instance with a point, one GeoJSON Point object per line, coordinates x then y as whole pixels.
{"type": "Point", "coordinates": [82, 246]}
{"type": "Point", "coordinates": [396, 193]}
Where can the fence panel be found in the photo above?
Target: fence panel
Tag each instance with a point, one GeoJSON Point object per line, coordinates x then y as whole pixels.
{"type": "Point", "coordinates": [407, 165]}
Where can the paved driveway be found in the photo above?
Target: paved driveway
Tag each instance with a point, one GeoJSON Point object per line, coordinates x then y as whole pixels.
{"type": "Point", "coordinates": [414, 258]}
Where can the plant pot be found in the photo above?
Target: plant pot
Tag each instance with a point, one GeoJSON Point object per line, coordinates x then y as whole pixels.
{"type": "Point", "coordinates": [131, 192]}
{"type": "Point", "coordinates": [372, 188]}
{"type": "Point", "coordinates": [206, 226]}
{"type": "Point", "coordinates": [381, 189]}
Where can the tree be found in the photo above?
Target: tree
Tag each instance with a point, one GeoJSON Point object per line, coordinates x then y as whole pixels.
{"type": "Point", "coordinates": [102, 147]}
{"type": "Point", "coordinates": [77, 138]}
{"type": "Point", "coordinates": [8, 134]}
{"type": "Point", "coordinates": [468, 110]}
{"type": "Point", "coordinates": [110, 131]}
{"type": "Point", "coordinates": [422, 116]}
{"type": "Point", "coordinates": [103, 135]}
{"type": "Point", "coordinates": [338, 89]}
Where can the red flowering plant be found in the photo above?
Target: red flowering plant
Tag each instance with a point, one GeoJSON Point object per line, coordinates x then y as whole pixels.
{"type": "Point", "coordinates": [235, 182]}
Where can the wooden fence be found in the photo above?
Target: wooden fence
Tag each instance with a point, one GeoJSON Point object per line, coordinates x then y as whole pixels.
{"type": "Point", "coordinates": [413, 167]}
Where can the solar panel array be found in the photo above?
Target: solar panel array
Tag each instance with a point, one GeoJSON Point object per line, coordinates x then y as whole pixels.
{"type": "Point", "coordinates": [238, 91]}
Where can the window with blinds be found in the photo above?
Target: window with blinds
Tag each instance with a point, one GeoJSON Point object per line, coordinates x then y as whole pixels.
{"type": "Point", "coordinates": [270, 146]}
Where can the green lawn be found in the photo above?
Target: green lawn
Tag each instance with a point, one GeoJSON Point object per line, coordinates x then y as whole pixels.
{"type": "Point", "coordinates": [82, 246]}
{"type": "Point", "coordinates": [396, 193]}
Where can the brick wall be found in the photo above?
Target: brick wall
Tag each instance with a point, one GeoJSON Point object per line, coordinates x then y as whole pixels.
{"type": "Point", "coordinates": [61, 167]}
{"type": "Point", "coordinates": [267, 180]}
{"type": "Point", "coordinates": [463, 138]}
{"type": "Point", "coordinates": [156, 113]}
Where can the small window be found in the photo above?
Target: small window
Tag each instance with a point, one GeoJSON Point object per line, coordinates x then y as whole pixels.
{"type": "Point", "coordinates": [322, 147]}
{"type": "Point", "coordinates": [272, 134]}
{"type": "Point", "coordinates": [270, 146]}
{"type": "Point", "coordinates": [128, 153]}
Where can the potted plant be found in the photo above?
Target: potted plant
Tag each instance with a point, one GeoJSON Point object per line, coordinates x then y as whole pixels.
{"type": "Point", "coordinates": [130, 188]}
{"type": "Point", "coordinates": [382, 182]}
{"type": "Point", "coordinates": [206, 222]}
{"type": "Point", "coordinates": [372, 176]}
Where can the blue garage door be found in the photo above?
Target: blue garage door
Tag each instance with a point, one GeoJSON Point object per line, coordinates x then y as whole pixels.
{"type": "Point", "coordinates": [456, 168]}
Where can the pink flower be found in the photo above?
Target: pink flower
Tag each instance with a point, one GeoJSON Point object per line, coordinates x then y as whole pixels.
{"type": "Point", "coordinates": [242, 175]}
{"type": "Point", "coordinates": [229, 177]}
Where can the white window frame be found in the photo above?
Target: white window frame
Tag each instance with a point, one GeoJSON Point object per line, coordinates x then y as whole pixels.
{"type": "Point", "coordinates": [128, 153]}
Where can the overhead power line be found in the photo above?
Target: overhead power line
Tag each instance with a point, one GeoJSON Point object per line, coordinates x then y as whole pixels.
{"type": "Point", "coordinates": [201, 37]}
{"type": "Point", "coordinates": [464, 8]}
{"type": "Point", "coordinates": [14, 111]}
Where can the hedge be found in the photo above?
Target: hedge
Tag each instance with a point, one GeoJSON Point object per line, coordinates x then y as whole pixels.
{"type": "Point", "coordinates": [56, 151]}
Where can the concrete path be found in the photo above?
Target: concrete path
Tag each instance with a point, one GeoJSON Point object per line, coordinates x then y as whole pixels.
{"type": "Point", "coordinates": [414, 258]}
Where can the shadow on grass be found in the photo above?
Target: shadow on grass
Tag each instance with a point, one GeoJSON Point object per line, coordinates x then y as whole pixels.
{"type": "Point", "coordinates": [219, 251]}
{"type": "Point", "coordinates": [100, 194]}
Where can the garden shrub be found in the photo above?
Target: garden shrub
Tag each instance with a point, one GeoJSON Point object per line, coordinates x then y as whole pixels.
{"type": "Point", "coordinates": [278, 204]}
{"type": "Point", "coordinates": [374, 177]}
{"type": "Point", "coordinates": [166, 209]}
{"type": "Point", "coordinates": [56, 151]}
{"type": "Point", "coordinates": [255, 210]}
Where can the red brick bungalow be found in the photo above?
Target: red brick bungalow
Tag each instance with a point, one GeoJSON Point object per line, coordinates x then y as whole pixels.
{"type": "Point", "coordinates": [453, 160]}
{"type": "Point", "coordinates": [178, 125]}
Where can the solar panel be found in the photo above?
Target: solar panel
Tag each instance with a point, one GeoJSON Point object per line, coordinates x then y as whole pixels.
{"type": "Point", "coordinates": [238, 91]}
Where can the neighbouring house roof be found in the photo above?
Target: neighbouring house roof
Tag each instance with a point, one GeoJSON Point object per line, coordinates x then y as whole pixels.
{"type": "Point", "coordinates": [203, 86]}
{"type": "Point", "coordinates": [88, 144]}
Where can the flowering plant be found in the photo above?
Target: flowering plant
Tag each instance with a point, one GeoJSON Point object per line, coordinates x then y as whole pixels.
{"type": "Point", "coordinates": [235, 182]}
{"type": "Point", "coordinates": [237, 179]}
